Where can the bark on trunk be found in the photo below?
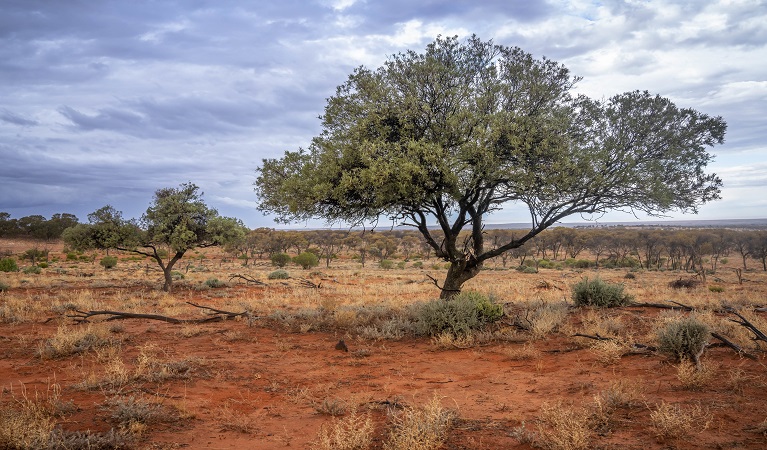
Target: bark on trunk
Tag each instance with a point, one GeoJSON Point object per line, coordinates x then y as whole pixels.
{"type": "Point", "coordinates": [457, 275]}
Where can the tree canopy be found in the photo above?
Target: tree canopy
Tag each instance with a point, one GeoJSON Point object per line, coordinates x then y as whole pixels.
{"type": "Point", "coordinates": [453, 134]}
{"type": "Point", "coordinates": [178, 220]}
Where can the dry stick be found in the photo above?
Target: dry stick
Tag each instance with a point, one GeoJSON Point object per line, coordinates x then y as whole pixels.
{"type": "Point", "coordinates": [758, 334]}
{"type": "Point", "coordinates": [676, 305]}
{"type": "Point", "coordinates": [217, 316]}
{"type": "Point", "coordinates": [732, 345]}
{"type": "Point", "coordinates": [309, 284]}
{"type": "Point", "coordinates": [247, 279]}
{"type": "Point", "coordinates": [602, 338]}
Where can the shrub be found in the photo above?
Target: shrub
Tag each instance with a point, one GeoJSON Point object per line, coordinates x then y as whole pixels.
{"type": "Point", "coordinates": [32, 270]}
{"type": "Point", "coordinates": [716, 289]}
{"type": "Point", "coordinates": [687, 283]}
{"type": "Point", "coordinates": [214, 283]}
{"type": "Point", "coordinates": [527, 269]}
{"type": "Point", "coordinates": [279, 275]}
{"type": "Point", "coordinates": [546, 264]}
{"type": "Point", "coordinates": [599, 293]}
{"type": "Point", "coordinates": [72, 256]}
{"type": "Point", "coordinates": [43, 265]}
{"type": "Point", "coordinates": [8, 265]}
{"type": "Point", "coordinates": [4, 286]}
{"type": "Point", "coordinates": [684, 338]}
{"type": "Point", "coordinates": [401, 265]}
{"type": "Point", "coordinates": [307, 260]}
{"type": "Point", "coordinates": [579, 263]}
{"type": "Point", "coordinates": [108, 262]}
{"type": "Point", "coordinates": [280, 259]}
{"type": "Point", "coordinates": [459, 316]}
{"type": "Point", "coordinates": [386, 264]}
{"type": "Point", "coordinates": [417, 264]}
{"type": "Point", "coordinates": [423, 428]}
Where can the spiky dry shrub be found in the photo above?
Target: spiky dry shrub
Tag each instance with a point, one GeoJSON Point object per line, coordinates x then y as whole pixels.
{"type": "Point", "coordinates": [695, 377]}
{"type": "Point", "coordinates": [76, 340]}
{"type": "Point", "coordinates": [25, 422]}
{"type": "Point", "coordinates": [564, 428]}
{"type": "Point", "coordinates": [684, 338]}
{"type": "Point", "coordinates": [670, 421]}
{"type": "Point", "coordinates": [610, 352]}
{"type": "Point", "coordinates": [353, 432]}
{"type": "Point", "coordinates": [542, 318]}
{"type": "Point", "coordinates": [133, 414]}
{"type": "Point", "coordinates": [423, 428]}
{"type": "Point", "coordinates": [331, 407]}
{"type": "Point", "coordinates": [599, 293]}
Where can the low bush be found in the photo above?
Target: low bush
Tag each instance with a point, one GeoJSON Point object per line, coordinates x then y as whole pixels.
{"type": "Point", "coordinates": [4, 286]}
{"type": "Point", "coordinates": [32, 270]}
{"type": "Point", "coordinates": [467, 312]}
{"type": "Point", "coordinates": [214, 283]}
{"type": "Point", "coordinates": [579, 263]}
{"type": "Point", "coordinates": [684, 338]}
{"type": "Point", "coordinates": [599, 293]}
{"type": "Point", "coordinates": [8, 265]}
{"type": "Point", "coordinates": [386, 264]}
{"type": "Point", "coordinates": [108, 262]}
{"type": "Point", "coordinates": [279, 275]}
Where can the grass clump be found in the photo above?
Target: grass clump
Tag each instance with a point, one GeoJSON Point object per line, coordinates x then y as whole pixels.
{"type": "Point", "coordinates": [423, 428]}
{"type": "Point", "coordinates": [214, 283]}
{"type": "Point", "coordinates": [671, 421]}
{"type": "Point", "coordinates": [72, 341]}
{"type": "Point", "coordinates": [599, 293]}
{"type": "Point", "coordinates": [460, 316]}
{"type": "Point", "coordinates": [564, 428]}
{"type": "Point", "coordinates": [684, 338]}
{"type": "Point", "coordinates": [353, 432]}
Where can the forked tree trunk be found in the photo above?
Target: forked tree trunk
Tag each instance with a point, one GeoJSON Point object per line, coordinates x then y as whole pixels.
{"type": "Point", "coordinates": [457, 275]}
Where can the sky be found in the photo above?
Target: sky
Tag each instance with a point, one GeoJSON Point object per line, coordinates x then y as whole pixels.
{"type": "Point", "coordinates": [104, 102]}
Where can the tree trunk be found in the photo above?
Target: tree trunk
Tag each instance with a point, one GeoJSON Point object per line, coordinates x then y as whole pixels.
{"type": "Point", "coordinates": [457, 274]}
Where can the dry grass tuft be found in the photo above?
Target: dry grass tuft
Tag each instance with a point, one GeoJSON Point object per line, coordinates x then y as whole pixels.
{"type": "Point", "coordinates": [526, 352]}
{"type": "Point", "coordinates": [564, 428]}
{"type": "Point", "coordinates": [353, 432]}
{"type": "Point", "coordinates": [694, 377]}
{"type": "Point", "coordinates": [423, 428]}
{"type": "Point", "coordinates": [76, 340]}
{"type": "Point", "coordinates": [670, 421]}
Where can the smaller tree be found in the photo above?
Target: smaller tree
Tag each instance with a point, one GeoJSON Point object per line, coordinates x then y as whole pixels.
{"type": "Point", "coordinates": [177, 221]}
{"type": "Point", "coordinates": [280, 259]}
{"type": "Point", "coordinates": [307, 260]}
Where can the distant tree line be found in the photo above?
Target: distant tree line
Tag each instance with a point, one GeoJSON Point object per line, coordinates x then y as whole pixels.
{"type": "Point", "coordinates": [36, 226]}
{"type": "Point", "coordinates": [692, 249]}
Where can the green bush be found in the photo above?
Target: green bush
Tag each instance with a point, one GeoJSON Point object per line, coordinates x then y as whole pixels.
{"type": "Point", "coordinates": [108, 262]}
{"type": "Point", "coordinates": [280, 259]}
{"type": "Point", "coordinates": [459, 316]}
{"type": "Point", "coordinates": [43, 265]}
{"type": "Point", "coordinates": [8, 265]}
{"type": "Point", "coordinates": [546, 264]}
{"type": "Point", "coordinates": [4, 286]}
{"type": "Point", "coordinates": [386, 264]}
{"type": "Point", "coordinates": [72, 256]}
{"type": "Point", "coordinates": [307, 260]}
{"type": "Point", "coordinates": [279, 275]}
{"type": "Point", "coordinates": [214, 283]}
{"type": "Point", "coordinates": [32, 270]}
{"type": "Point", "coordinates": [716, 288]}
{"type": "Point", "coordinates": [599, 293]}
{"type": "Point", "coordinates": [401, 264]}
{"type": "Point", "coordinates": [417, 264]}
{"type": "Point", "coordinates": [684, 338]}
{"type": "Point", "coordinates": [527, 269]}
{"type": "Point", "coordinates": [578, 263]}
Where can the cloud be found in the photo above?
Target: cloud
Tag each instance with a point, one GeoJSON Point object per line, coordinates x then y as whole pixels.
{"type": "Point", "coordinates": [16, 119]}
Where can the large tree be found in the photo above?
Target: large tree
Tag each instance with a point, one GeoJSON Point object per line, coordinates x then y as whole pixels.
{"type": "Point", "coordinates": [178, 220]}
{"type": "Point", "coordinates": [453, 134]}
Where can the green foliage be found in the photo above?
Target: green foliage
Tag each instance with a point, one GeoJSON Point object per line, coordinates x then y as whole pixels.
{"type": "Point", "coordinates": [599, 293]}
{"type": "Point", "coordinates": [32, 270]}
{"type": "Point", "coordinates": [401, 265]}
{"type": "Point", "coordinates": [527, 269]}
{"type": "Point", "coordinates": [459, 130]}
{"type": "Point", "coordinates": [108, 262]}
{"type": "Point", "coordinates": [418, 265]}
{"type": "Point", "coordinates": [715, 288]}
{"type": "Point", "coordinates": [4, 286]}
{"type": "Point", "coordinates": [43, 265]}
{"type": "Point", "coordinates": [684, 338]}
{"type": "Point", "coordinates": [547, 264]}
{"type": "Point", "coordinates": [468, 311]}
{"type": "Point", "coordinates": [280, 259]}
{"type": "Point", "coordinates": [579, 263]}
{"type": "Point", "coordinates": [279, 275]}
{"type": "Point", "coordinates": [215, 283]}
{"type": "Point", "coordinates": [72, 256]}
{"type": "Point", "coordinates": [386, 264]}
{"type": "Point", "coordinates": [307, 260]}
{"type": "Point", "coordinates": [8, 265]}
{"type": "Point", "coordinates": [34, 254]}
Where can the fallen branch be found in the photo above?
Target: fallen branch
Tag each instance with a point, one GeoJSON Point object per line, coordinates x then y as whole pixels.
{"type": "Point", "coordinates": [308, 284]}
{"type": "Point", "coordinates": [758, 334]}
{"type": "Point", "coordinates": [247, 279]}
{"type": "Point", "coordinates": [676, 305]}
{"type": "Point", "coordinates": [216, 315]}
{"type": "Point", "coordinates": [726, 342]}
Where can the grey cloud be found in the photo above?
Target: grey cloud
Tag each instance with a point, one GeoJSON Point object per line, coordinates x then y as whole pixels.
{"type": "Point", "coordinates": [16, 119]}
